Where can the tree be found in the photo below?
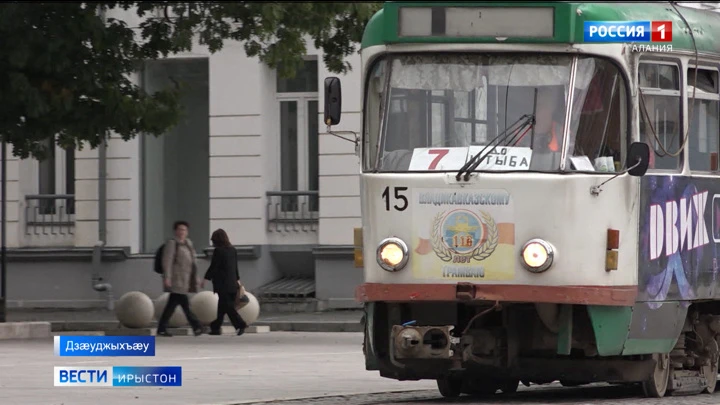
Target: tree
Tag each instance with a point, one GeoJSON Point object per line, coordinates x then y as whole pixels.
{"type": "Point", "coordinates": [66, 71]}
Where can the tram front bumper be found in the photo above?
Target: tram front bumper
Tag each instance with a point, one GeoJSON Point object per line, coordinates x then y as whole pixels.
{"type": "Point", "coordinates": [423, 342]}
{"type": "Point", "coordinates": [459, 292]}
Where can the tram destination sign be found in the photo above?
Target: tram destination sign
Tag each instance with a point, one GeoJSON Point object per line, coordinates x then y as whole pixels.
{"type": "Point", "coordinates": [456, 22]}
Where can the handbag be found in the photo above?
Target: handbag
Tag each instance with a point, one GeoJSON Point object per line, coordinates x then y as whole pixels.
{"type": "Point", "coordinates": [241, 299]}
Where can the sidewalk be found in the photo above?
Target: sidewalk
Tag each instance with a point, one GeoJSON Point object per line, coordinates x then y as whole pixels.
{"type": "Point", "coordinates": [101, 320]}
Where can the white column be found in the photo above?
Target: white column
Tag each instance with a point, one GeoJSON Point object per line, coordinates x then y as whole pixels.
{"type": "Point", "coordinates": [237, 166]}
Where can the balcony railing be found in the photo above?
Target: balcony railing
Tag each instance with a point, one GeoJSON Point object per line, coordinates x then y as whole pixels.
{"type": "Point", "coordinates": [292, 211]}
{"type": "Point", "coordinates": [50, 214]}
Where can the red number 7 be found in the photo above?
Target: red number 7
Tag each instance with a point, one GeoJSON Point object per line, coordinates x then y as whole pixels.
{"type": "Point", "coordinates": [440, 153]}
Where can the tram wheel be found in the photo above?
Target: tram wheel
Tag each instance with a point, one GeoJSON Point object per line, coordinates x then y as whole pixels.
{"type": "Point", "coordinates": [510, 386]}
{"type": "Point", "coordinates": [657, 384]}
{"type": "Point", "coordinates": [711, 374]}
{"type": "Point", "coordinates": [450, 387]}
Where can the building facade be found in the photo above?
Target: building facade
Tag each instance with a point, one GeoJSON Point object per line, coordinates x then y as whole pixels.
{"type": "Point", "coordinates": [250, 156]}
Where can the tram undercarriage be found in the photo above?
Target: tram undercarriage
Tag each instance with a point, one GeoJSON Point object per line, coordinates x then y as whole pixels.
{"type": "Point", "coordinates": [480, 349]}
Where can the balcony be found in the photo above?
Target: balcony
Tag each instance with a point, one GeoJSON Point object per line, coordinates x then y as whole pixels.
{"type": "Point", "coordinates": [49, 214]}
{"type": "Point", "coordinates": [292, 211]}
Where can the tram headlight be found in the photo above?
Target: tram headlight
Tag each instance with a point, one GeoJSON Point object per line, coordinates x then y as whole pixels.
{"type": "Point", "coordinates": [537, 255]}
{"type": "Point", "coordinates": [392, 254]}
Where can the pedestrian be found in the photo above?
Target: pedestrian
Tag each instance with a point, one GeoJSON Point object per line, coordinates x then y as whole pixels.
{"type": "Point", "coordinates": [179, 277]}
{"type": "Point", "coordinates": [223, 272]}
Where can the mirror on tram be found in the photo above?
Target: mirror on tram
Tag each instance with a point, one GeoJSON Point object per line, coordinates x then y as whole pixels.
{"type": "Point", "coordinates": [638, 152]}
{"type": "Point", "coordinates": [333, 101]}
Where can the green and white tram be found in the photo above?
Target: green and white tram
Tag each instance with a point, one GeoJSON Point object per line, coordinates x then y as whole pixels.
{"type": "Point", "coordinates": [537, 207]}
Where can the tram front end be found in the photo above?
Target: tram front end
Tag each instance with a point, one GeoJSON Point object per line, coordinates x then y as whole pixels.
{"type": "Point", "coordinates": [500, 200]}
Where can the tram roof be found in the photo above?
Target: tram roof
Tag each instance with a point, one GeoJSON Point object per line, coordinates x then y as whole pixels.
{"type": "Point", "coordinates": [566, 23]}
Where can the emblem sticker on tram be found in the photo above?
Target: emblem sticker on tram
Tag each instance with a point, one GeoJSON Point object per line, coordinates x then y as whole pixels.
{"type": "Point", "coordinates": [463, 235]}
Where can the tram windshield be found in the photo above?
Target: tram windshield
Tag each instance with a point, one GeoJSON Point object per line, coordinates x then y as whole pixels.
{"type": "Point", "coordinates": [435, 111]}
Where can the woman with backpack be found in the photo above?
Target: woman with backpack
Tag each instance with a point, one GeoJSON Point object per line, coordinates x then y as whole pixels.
{"type": "Point", "coordinates": [179, 277]}
{"type": "Point", "coordinates": [223, 272]}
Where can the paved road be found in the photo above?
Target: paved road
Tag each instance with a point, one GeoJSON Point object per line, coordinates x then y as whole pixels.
{"type": "Point", "coordinates": [263, 367]}
{"type": "Point", "coordinates": [216, 370]}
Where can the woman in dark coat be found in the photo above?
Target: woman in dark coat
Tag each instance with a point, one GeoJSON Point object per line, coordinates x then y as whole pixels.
{"type": "Point", "coordinates": [223, 272]}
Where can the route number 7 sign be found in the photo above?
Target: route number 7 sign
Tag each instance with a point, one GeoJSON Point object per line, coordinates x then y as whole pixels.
{"type": "Point", "coordinates": [438, 158]}
{"type": "Point", "coordinates": [502, 158]}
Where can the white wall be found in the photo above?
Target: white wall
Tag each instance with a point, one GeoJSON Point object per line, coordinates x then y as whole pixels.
{"type": "Point", "coordinates": [237, 151]}
{"type": "Point", "coordinates": [122, 186]}
{"type": "Point", "coordinates": [121, 175]}
{"type": "Point", "coordinates": [339, 166]}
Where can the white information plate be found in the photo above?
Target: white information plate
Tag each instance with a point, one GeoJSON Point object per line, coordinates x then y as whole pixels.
{"type": "Point", "coordinates": [504, 158]}
{"type": "Point", "coordinates": [438, 158]}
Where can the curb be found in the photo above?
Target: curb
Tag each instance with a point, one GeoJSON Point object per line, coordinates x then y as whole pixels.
{"type": "Point", "coordinates": [312, 326]}
{"type": "Point", "coordinates": [275, 326]}
{"type": "Point", "coordinates": [24, 330]}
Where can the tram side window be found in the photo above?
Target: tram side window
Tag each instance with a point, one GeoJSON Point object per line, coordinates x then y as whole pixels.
{"type": "Point", "coordinates": [602, 110]}
{"type": "Point", "coordinates": [705, 125]}
{"type": "Point", "coordinates": [374, 107]}
{"type": "Point", "coordinates": [660, 111]}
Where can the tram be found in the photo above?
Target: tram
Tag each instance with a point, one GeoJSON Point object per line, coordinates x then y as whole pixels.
{"type": "Point", "coordinates": [539, 205]}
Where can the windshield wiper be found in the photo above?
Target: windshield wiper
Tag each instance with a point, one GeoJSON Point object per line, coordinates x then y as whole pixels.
{"type": "Point", "coordinates": [510, 134]}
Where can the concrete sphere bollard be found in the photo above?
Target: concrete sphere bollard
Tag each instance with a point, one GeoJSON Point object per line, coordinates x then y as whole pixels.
{"type": "Point", "coordinates": [204, 306]}
{"type": "Point", "coordinates": [134, 310]}
{"type": "Point", "coordinates": [177, 320]}
{"type": "Point", "coordinates": [251, 311]}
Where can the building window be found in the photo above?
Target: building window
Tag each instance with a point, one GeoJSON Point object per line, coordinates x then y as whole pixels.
{"type": "Point", "coordinates": [56, 176]}
{"type": "Point", "coordinates": [704, 127]}
{"type": "Point", "coordinates": [305, 80]}
{"type": "Point", "coordinates": [660, 113]}
{"type": "Point", "coordinates": [47, 170]}
{"type": "Point", "coordinates": [299, 127]}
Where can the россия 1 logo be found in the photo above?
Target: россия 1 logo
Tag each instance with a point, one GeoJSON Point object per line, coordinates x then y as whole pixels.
{"type": "Point", "coordinates": [628, 31]}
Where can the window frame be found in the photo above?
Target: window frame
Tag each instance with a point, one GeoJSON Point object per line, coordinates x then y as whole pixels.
{"type": "Point", "coordinates": [690, 74]}
{"type": "Point", "coordinates": [366, 167]}
{"type": "Point", "coordinates": [62, 163]}
{"type": "Point", "coordinates": [302, 99]}
{"type": "Point", "coordinates": [645, 91]}
{"type": "Point", "coordinates": [625, 120]}
{"type": "Point", "coordinates": [62, 173]}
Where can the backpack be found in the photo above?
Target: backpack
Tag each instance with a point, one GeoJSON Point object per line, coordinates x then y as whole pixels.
{"type": "Point", "coordinates": [158, 259]}
{"type": "Point", "coordinates": [158, 265]}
